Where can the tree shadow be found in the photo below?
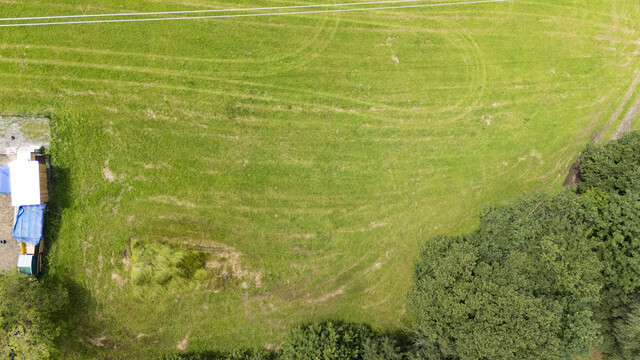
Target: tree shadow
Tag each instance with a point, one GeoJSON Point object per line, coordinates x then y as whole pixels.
{"type": "Point", "coordinates": [59, 199]}
{"type": "Point", "coordinates": [72, 320]}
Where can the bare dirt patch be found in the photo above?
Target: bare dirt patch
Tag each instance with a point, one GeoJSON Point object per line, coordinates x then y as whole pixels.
{"type": "Point", "coordinates": [297, 236]}
{"type": "Point", "coordinates": [118, 279]}
{"type": "Point", "coordinates": [108, 174]}
{"type": "Point", "coordinates": [574, 174]}
{"type": "Point", "coordinates": [126, 262]}
{"type": "Point", "coordinates": [327, 296]}
{"type": "Point", "coordinates": [271, 348]}
{"type": "Point", "coordinates": [302, 251]}
{"type": "Point", "coordinates": [299, 267]}
{"type": "Point", "coordinates": [182, 345]}
{"type": "Point", "coordinates": [227, 261]}
{"type": "Point", "coordinates": [98, 341]}
{"type": "Point", "coordinates": [162, 165]}
{"type": "Point", "coordinates": [165, 199]}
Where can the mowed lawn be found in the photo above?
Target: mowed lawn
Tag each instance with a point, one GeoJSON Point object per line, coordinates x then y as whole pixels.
{"type": "Point", "coordinates": [317, 151]}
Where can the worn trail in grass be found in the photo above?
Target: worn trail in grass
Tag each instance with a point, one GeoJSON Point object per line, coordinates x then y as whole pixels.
{"type": "Point", "coordinates": [317, 151]}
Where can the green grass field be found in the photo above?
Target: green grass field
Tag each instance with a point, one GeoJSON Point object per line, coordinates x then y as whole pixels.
{"type": "Point", "coordinates": [315, 153]}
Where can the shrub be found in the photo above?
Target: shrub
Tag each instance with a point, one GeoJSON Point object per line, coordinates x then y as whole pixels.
{"type": "Point", "coordinates": [337, 340]}
{"type": "Point", "coordinates": [240, 354]}
{"type": "Point", "coordinates": [613, 167]}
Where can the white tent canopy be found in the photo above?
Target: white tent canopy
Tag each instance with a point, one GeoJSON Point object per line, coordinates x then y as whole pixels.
{"type": "Point", "coordinates": [24, 177]}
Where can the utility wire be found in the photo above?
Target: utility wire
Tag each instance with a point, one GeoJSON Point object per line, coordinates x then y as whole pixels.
{"type": "Point", "coordinates": [208, 11]}
{"type": "Point", "coordinates": [243, 15]}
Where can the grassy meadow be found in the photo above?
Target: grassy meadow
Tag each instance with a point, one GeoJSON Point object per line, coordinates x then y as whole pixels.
{"type": "Point", "coordinates": [312, 154]}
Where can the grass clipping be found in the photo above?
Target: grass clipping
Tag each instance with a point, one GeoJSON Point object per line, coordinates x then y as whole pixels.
{"type": "Point", "coordinates": [158, 264]}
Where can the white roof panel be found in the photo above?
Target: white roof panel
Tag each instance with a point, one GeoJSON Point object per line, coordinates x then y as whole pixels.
{"type": "Point", "coordinates": [24, 177]}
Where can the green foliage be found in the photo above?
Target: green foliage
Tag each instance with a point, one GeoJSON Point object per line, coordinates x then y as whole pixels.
{"type": "Point", "coordinates": [617, 232]}
{"type": "Point", "coordinates": [239, 354]}
{"type": "Point", "coordinates": [613, 167]}
{"type": "Point", "coordinates": [611, 178]}
{"type": "Point", "coordinates": [620, 327]}
{"type": "Point", "coordinates": [27, 312]}
{"type": "Point", "coordinates": [627, 331]}
{"type": "Point", "coordinates": [337, 340]}
{"type": "Point", "coordinates": [521, 287]}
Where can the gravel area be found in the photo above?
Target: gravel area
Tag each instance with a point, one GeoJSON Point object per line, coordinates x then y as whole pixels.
{"type": "Point", "coordinates": [23, 131]}
{"type": "Point", "coordinates": [10, 251]}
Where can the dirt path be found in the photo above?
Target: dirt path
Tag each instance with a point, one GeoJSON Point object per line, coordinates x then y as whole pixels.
{"type": "Point", "coordinates": [598, 136]}
{"type": "Point", "coordinates": [625, 125]}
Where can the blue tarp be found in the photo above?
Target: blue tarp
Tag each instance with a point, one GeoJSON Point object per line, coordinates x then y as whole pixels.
{"type": "Point", "coordinates": [5, 185]}
{"type": "Point", "coordinates": [28, 226]}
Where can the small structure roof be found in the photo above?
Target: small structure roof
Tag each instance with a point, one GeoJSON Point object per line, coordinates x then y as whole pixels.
{"type": "Point", "coordinates": [28, 183]}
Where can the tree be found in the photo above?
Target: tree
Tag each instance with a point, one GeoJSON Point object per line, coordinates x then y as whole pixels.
{"type": "Point", "coordinates": [520, 287]}
{"type": "Point", "coordinates": [337, 340]}
{"type": "Point", "coordinates": [610, 175]}
{"type": "Point", "coordinates": [617, 235]}
{"type": "Point", "coordinates": [238, 354]}
{"type": "Point", "coordinates": [27, 312]}
{"type": "Point", "coordinates": [613, 167]}
{"type": "Point", "coordinates": [627, 331]}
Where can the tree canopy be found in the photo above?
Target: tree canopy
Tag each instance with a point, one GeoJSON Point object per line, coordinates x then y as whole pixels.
{"type": "Point", "coordinates": [520, 287]}
{"type": "Point", "coordinates": [337, 340]}
{"type": "Point", "coordinates": [613, 167]}
{"type": "Point", "coordinates": [27, 311]}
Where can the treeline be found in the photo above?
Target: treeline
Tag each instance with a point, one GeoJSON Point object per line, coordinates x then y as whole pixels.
{"type": "Point", "coordinates": [547, 276]}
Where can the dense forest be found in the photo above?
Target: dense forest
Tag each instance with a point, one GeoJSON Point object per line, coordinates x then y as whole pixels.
{"type": "Point", "coordinates": [550, 275]}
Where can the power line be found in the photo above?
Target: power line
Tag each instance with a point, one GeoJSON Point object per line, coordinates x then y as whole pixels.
{"type": "Point", "coordinates": [208, 11]}
{"type": "Point", "coordinates": [246, 15]}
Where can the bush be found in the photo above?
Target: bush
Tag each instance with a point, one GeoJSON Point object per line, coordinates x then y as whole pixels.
{"type": "Point", "coordinates": [27, 311]}
{"type": "Point", "coordinates": [613, 167]}
{"type": "Point", "coordinates": [337, 340]}
{"type": "Point", "coordinates": [521, 287]}
{"type": "Point", "coordinates": [234, 355]}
